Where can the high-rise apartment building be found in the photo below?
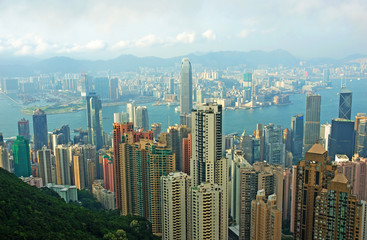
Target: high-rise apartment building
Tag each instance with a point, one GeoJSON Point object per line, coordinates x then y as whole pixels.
{"type": "Point", "coordinates": [108, 173]}
{"type": "Point", "coordinates": [44, 157]}
{"type": "Point", "coordinates": [287, 180]}
{"type": "Point", "coordinates": [78, 170]}
{"type": "Point", "coordinates": [345, 103]}
{"type": "Point", "coordinates": [186, 87]}
{"type": "Point", "coordinates": [40, 133]}
{"type": "Point", "coordinates": [21, 157]}
{"type": "Point", "coordinates": [297, 136]}
{"type": "Point", "coordinates": [186, 153]}
{"type": "Point", "coordinates": [259, 135]}
{"type": "Point", "coordinates": [130, 109]}
{"type": "Point", "coordinates": [341, 139]}
{"type": "Point", "coordinates": [312, 176]}
{"type": "Point", "coordinates": [114, 89]}
{"type": "Point", "coordinates": [360, 128]}
{"type": "Point", "coordinates": [23, 128]}
{"type": "Point", "coordinates": [364, 221]}
{"type": "Point", "coordinates": [325, 131]}
{"type": "Point", "coordinates": [94, 120]}
{"type": "Point", "coordinates": [338, 215]}
{"type": "Point", "coordinates": [141, 118]}
{"type": "Point", "coordinates": [171, 86]}
{"type": "Point", "coordinates": [62, 160]}
{"type": "Point", "coordinates": [4, 158]}
{"type": "Point", "coordinates": [312, 121]}
{"type": "Point", "coordinates": [156, 128]}
{"type": "Point", "coordinates": [266, 218]}
{"type": "Point", "coordinates": [274, 146]}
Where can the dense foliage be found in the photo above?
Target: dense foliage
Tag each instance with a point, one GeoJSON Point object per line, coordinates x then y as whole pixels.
{"type": "Point", "coordinates": [30, 213]}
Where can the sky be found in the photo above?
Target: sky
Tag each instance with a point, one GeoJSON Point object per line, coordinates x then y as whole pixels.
{"type": "Point", "coordinates": [166, 28]}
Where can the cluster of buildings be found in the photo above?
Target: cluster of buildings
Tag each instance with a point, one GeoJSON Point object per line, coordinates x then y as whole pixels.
{"type": "Point", "coordinates": [193, 182]}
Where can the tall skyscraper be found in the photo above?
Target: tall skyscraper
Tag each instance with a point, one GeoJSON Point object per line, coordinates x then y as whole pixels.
{"type": "Point", "coordinates": [23, 128]}
{"type": "Point", "coordinates": [259, 135]}
{"type": "Point", "coordinates": [171, 86]}
{"type": "Point", "coordinates": [94, 120]}
{"type": "Point", "coordinates": [325, 131]}
{"type": "Point", "coordinates": [108, 173]}
{"type": "Point", "coordinates": [338, 215]}
{"type": "Point", "coordinates": [247, 85]}
{"type": "Point", "coordinates": [345, 103]}
{"type": "Point", "coordinates": [341, 139]}
{"type": "Point", "coordinates": [186, 87]}
{"type": "Point", "coordinates": [274, 146]}
{"type": "Point", "coordinates": [4, 158]}
{"type": "Point", "coordinates": [174, 137]}
{"type": "Point", "coordinates": [361, 135]}
{"type": "Point", "coordinates": [62, 160]}
{"type": "Point", "coordinates": [78, 170]}
{"type": "Point", "coordinates": [40, 132]}
{"type": "Point", "coordinates": [297, 135]}
{"type": "Point", "coordinates": [175, 194]}
{"type": "Point", "coordinates": [130, 109]}
{"type": "Point", "coordinates": [266, 218]}
{"type": "Point", "coordinates": [21, 157]}
{"type": "Point", "coordinates": [186, 153]}
{"type": "Point", "coordinates": [312, 123]}
{"type": "Point", "coordinates": [114, 89]}
{"type": "Point", "coordinates": [326, 76]}
{"type": "Point", "coordinates": [156, 128]}
{"type": "Point", "coordinates": [45, 164]}
{"type": "Point", "coordinates": [312, 175]}
{"type": "Point", "coordinates": [141, 118]}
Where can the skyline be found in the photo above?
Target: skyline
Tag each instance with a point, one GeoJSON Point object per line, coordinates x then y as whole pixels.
{"type": "Point", "coordinates": [166, 29]}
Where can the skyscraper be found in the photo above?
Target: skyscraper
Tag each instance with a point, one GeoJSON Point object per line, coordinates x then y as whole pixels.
{"type": "Point", "coordinates": [312, 175]}
{"type": "Point", "coordinates": [23, 128]}
{"type": "Point", "coordinates": [130, 109]}
{"type": "Point", "coordinates": [45, 163]}
{"type": "Point", "coordinates": [186, 87]}
{"type": "Point", "coordinates": [171, 86]}
{"type": "Point", "coordinates": [312, 124]}
{"type": "Point", "coordinates": [21, 157]}
{"type": "Point", "coordinates": [297, 135]}
{"type": "Point", "coordinates": [40, 133]}
{"type": "Point", "coordinates": [186, 153]}
{"type": "Point", "coordinates": [361, 135]}
{"type": "Point", "coordinates": [114, 89]}
{"type": "Point", "coordinates": [62, 160]}
{"type": "Point", "coordinates": [345, 103]}
{"type": "Point", "coordinates": [4, 158]}
{"type": "Point", "coordinates": [274, 146]}
{"type": "Point", "coordinates": [141, 118]}
{"type": "Point", "coordinates": [174, 137]}
{"type": "Point", "coordinates": [341, 139]}
{"type": "Point", "coordinates": [94, 120]}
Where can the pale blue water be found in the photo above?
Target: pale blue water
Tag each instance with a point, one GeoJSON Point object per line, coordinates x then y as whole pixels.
{"type": "Point", "coordinates": [233, 121]}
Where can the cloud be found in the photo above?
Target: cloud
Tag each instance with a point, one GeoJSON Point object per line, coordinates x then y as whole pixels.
{"type": "Point", "coordinates": [147, 41]}
{"type": "Point", "coordinates": [185, 37]}
{"type": "Point", "coordinates": [95, 45]}
{"type": "Point", "coordinates": [121, 45]}
{"type": "Point", "coordinates": [209, 34]}
{"type": "Point", "coordinates": [245, 33]}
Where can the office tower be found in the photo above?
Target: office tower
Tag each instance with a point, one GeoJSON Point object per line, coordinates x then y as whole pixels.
{"type": "Point", "coordinates": [361, 135]}
{"type": "Point", "coordinates": [312, 175]}
{"type": "Point", "coordinates": [287, 139]}
{"type": "Point", "coordinates": [274, 146]}
{"type": "Point", "coordinates": [121, 117]}
{"type": "Point", "coordinates": [89, 152]}
{"type": "Point", "coordinates": [101, 87]}
{"type": "Point", "coordinates": [175, 187]}
{"type": "Point", "coordinates": [341, 139]}
{"type": "Point", "coordinates": [78, 170]}
{"type": "Point", "coordinates": [266, 218]}
{"type": "Point", "coordinates": [108, 173]}
{"type": "Point", "coordinates": [39, 129]}
{"type": "Point", "coordinates": [338, 215]}
{"type": "Point", "coordinates": [356, 173]}
{"type": "Point", "coordinates": [205, 211]}
{"type": "Point", "coordinates": [186, 87]}
{"type": "Point", "coordinates": [199, 96]}
{"type": "Point", "coordinates": [156, 128]}
{"type": "Point", "coordinates": [293, 198]}
{"type": "Point", "coordinates": [247, 85]}
{"type": "Point", "coordinates": [4, 158]}
{"type": "Point", "coordinates": [173, 139]}
{"type": "Point", "coordinates": [1, 139]}
{"type": "Point", "coordinates": [186, 120]}
{"type": "Point", "coordinates": [114, 89]}
{"type": "Point", "coordinates": [141, 118]}
{"type": "Point", "coordinates": [186, 153]}
{"type": "Point", "coordinates": [251, 147]}
{"type": "Point", "coordinates": [23, 128]}
{"type": "Point", "coordinates": [171, 86]}
{"type": "Point", "coordinates": [287, 180]}
{"type": "Point", "coordinates": [62, 160]}
{"type": "Point", "coordinates": [345, 103]}
{"type": "Point", "coordinates": [297, 135]}
{"type": "Point", "coordinates": [45, 164]}
{"type": "Point", "coordinates": [259, 135]}
{"type": "Point", "coordinates": [312, 123]}
{"type": "Point", "coordinates": [85, 85]}
{"type": "Point", "coordinates": [21, 157]}
{"type": "Point", "coordinates": [94, 120]}
{"type": "Point", "coordinates": [325, 131]}
{"type": "Point", "coordinates": [63, 134]}
{"type": "Point", "coordinates": [364, 221]}
{"type": "Point", "coordinates": [130, 109]}
{"type": "Point", "coordinates": [207, 164]}
{"type": "Point", "coordinates": [326, 76]}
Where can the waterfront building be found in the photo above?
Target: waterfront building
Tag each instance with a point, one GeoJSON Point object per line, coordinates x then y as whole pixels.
{"type": "Point", "coordinates": [175, 202]}
{"type": "Point", "coordinates": [274, 146]}
{"type": "Point", "coordinates": [266, 218]}
{"type": "Point", "coordinates": [312, 121]}
{"type": "Point", "coordinates": [94, 120]}
{"type": "Point", "coordinates": [338, 215]}
{"type": "Point", "coordinates": [141, 118]}
{"type": "Point", "coordinates": [23, 128]}
{"type": "Point", "coordinates": [21, 157]}
{"type": "Point", "coordinates": [186, 87]}
{"type": "Point", "coordinates": [44, 157]}
{"type": "Point", "coordinates": [345, 103]}
{"type": "Point", "coordinates": [40, 132]}
{"type": "Point", "coordinates": [341, 139]}
{"type": "Point", "coordinates": [297, 136]}
{"type": "Point", "coordinates": [312, 176]}
{"type": "Point", "coordinates": [114, 88]}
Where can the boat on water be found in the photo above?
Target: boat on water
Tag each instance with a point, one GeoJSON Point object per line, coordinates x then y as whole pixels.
{"type": "Point", "coordinates": [178, 109]}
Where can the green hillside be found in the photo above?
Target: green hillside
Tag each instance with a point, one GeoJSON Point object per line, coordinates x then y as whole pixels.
{"type": "Point", "coordinates": [30, 213]}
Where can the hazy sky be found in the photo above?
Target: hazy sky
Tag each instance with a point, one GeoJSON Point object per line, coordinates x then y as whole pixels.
{"type": "Point", "coordinates": [165, 28]}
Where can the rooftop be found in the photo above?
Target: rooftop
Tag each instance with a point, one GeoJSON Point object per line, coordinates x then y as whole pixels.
{"type": "Point", "coordinates": [317, 148]}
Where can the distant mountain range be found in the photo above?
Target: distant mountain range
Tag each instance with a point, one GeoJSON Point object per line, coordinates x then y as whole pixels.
{"type": "Point", "coordinates": [27, 66]}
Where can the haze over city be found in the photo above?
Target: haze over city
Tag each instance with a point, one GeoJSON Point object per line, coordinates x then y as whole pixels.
{"type": "Point", "coordinates": [107, 29]}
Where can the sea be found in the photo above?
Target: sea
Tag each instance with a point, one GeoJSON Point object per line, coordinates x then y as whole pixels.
{"type": "Point", "coordinates": [234, 121]}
